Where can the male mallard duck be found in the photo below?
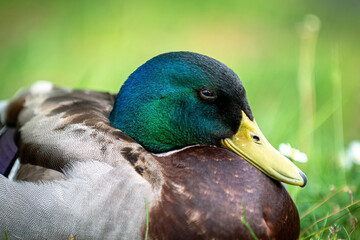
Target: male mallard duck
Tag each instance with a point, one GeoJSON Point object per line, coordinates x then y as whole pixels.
{"type": "Point", "coordinates": [105, 165]}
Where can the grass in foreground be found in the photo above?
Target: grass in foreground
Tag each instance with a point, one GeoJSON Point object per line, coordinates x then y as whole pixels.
{"type": "Point", "coordinates": [341, 222]}
{"type": "Point", "coordinates": [6, 236]}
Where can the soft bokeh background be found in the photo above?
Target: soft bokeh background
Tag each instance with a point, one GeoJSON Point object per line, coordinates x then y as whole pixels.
{"type": "Point", "coordinates": [299, 61]}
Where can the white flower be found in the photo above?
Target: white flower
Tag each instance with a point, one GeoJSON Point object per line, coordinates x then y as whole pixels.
{"type": "Point", "coordinates": [353, 152]}
{"type": "Point", "coordinates": [292, 153]}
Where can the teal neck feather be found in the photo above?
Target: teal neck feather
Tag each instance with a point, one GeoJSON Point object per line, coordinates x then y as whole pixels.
{"type": "Point", "coordinates": [159, 104]}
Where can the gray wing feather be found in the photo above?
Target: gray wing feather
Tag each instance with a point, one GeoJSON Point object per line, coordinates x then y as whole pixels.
{"type": "Point", "coordinates": [96, 201]}
{"type": "Point", "coordinates": [98, 194]}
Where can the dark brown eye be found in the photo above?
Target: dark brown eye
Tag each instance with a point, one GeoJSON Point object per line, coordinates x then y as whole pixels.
{"type": "Point", "coordinates": [207, 94]}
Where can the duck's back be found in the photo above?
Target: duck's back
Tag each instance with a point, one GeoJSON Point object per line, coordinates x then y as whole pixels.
{"type": "Point", "coordinates": [58, 126]}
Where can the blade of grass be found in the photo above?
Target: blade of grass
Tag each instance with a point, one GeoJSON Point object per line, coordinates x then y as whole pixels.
{"type": "Point", "coordinates": [347, 234]}
{"type": "Point", "coordinates": [352, 231]}
{"type": "Point", "coordinates": [338, 115]}
{"type": "Point", "coordinates": [336, 219]}
{"type": "Point", "coordinates": [324, 200]}
{"type": "Point", "coordinates": [317, 232]}
{"type": "Point", "coordinates": [6, 236]}
{"type": "Point", "coordinates": [330, 224]}
{"type": "Point", "coordinates": [332, 214]}
{"type": "Point", "coordinates": [243, 219]}
{"type": "Point", "coordinates": [309, 33]}
{"type": "Point", "coordinates": [147, 219]}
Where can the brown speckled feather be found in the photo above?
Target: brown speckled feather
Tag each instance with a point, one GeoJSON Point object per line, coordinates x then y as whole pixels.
{"type": "Point", "coordinates": [211, 195]}
{"type": "Point", "coordinates": [33, 173]}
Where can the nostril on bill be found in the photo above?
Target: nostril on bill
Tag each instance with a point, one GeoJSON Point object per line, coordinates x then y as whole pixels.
{"type": "Point", "coordinates": [256, 138]}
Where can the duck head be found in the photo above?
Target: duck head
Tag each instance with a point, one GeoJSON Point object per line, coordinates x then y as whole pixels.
{"type": "Point", "coordinates": [180, 99]}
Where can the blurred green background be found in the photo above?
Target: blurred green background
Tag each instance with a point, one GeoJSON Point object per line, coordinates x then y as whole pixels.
{"type": "Point", "coordinates": [301, 71]}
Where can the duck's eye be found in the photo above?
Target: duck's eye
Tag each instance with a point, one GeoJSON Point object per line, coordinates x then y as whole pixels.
{"type": "Point", "coordinates": [207, 94]}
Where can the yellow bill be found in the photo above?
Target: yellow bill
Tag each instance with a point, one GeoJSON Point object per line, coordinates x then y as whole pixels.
{"type": "Point", "coordinates": [251, 144]}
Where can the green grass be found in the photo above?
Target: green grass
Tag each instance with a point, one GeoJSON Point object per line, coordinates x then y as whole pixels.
{"type": "Point", "coordinates": [5, 236]}
{"type": "Point", "coordinates": [303, 83]}
{"type": "Point", "coordinates": [147, 219]}
{"type": "Point", "coordinates": [243, 219]}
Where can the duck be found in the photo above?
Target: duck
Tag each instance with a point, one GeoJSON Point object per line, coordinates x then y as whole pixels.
{"type": "Point", "coordinates": [176, 154]}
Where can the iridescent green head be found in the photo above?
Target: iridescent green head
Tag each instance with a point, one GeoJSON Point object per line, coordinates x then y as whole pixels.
{"type": "Point", "coordinates": [179, 99]}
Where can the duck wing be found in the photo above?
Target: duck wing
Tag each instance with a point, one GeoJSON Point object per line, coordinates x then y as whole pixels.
{"type": "Point", "coordinates": [79, 174]}
{"type": "Point", "coordinates": [58, 126]}
{"type": "Point", "coordinates": [95, 201]}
